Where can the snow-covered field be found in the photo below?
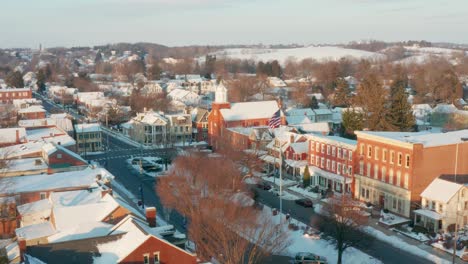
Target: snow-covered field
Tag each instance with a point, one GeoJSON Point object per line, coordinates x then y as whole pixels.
{"type": "Point", "coordinates": [318, 53]}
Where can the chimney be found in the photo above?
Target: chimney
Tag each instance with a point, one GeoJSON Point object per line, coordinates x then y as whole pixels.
{"type": "Point", "coordinates": [22, 248]}
{"type": "Point", "coordinates": [17, 136]}
{"type": "Point", "coordinates": [291, 139]}
{"type": "Point", "coordinates": [151, 216]}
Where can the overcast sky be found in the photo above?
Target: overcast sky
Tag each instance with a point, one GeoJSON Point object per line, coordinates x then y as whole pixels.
{"type": "Point", "coordinates": [27, 23]}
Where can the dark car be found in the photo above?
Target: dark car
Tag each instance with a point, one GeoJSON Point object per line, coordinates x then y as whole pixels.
{"type": "Point", "coordinates": [263, 186]}
{"type": "Point", "coordinates": [308, 258]}
{"type": "Point", "coordinates": [304, 202]}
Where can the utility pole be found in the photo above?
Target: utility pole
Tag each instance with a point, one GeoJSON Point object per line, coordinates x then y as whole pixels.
{"type": "Point", "coordinates": [454, 253]}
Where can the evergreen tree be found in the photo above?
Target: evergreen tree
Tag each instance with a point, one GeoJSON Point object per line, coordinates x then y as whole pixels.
{"type": "Point", "coordinates": [314, 103]}
{"type": "Point", "coordinates": [400, 112]}
{"type": "Point", "coordinates": [276, 69]}
{"type": "Point", "coordinates": [15, 79]}
{"type": "Point", "coordinates": [352, 121]}
{"type": "Point", "coordinates": [40, 76]}
{"type": "Point", "coordinates": [98, 58]}
{"type": "Point", "coordinates": [342, 93]}
{"type": "Point", "coordinates": [306, 177]}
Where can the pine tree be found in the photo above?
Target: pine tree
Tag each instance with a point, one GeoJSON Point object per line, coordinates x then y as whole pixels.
{"type": "Point", "coordinates": [41, 78]}
{"type": "Point", "coordinates": [306, 177]}
{"type": "Point", "coordinates": [352, 121]}
{"type": "Point", "coordinates": [400, 112]}
{"type": "Point", "coordinates": [342, 93]}
{"type": "Point", "coordinates": [314, 103]}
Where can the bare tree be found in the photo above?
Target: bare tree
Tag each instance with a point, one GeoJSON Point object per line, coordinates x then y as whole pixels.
{"type": "Point", "coordinates": [205, 190]}
{"type": "Point", "coordinates": [343, 220]}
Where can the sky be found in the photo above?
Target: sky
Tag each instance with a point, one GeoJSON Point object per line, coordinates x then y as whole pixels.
{"type": "Point", "coordinates": [52, 23]}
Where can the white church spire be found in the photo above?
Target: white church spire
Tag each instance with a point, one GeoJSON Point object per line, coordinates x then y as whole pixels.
{"type": "Point", "coordinates": [221, 93]}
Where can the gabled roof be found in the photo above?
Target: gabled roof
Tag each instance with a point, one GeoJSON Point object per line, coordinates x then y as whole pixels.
{"type": "Point", "coordinates": [300, 147]}
{"type": "Point", "coordinates": [441, 190]}
{"type": "Point", "coordinates": [250, 110]}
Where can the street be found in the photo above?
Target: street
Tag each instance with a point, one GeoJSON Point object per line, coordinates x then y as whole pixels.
{"type": "Point", "coordinates": [114, 160]}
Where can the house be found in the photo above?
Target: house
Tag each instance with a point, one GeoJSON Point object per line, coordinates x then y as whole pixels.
{"type": "Point", "coordinates": [7, 95]}
{"type": "Point", "coordinates": [184, 96]}
{"type": "Point", "coordinates": [394, 168]}
{"type": "Point", "coordinates": [331, 163]}
{"type": "Point", "coordinates": [132, 240]}
{"type": "Point", "coordinates": [62, 94]}
{"type": "Point", "coordinates": [180, 128]}
{"type": "Point", "coordinates": [148, 128]}
{"type": "Point", "coordinates": [88, 138]}
{"type": "Point", "coordinates": [444, 202]}
{"type": "Point", "coordinates": [276, 82]}
{"type": "Point", "coordinates": [247, 114]}
{"type": "Point", "coordinates": [200, 124]}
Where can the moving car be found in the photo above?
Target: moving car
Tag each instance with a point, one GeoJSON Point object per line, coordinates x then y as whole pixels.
{"type": "Point", "coordinates": [264, 186]}
{"type": "Point", "coordinates": [304, 202]}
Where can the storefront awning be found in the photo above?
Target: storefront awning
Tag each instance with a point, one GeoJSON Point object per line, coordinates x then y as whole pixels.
{"type": "Point", "coordinates": [329, 175]}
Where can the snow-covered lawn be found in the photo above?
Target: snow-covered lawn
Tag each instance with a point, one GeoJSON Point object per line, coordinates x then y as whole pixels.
{"type": "Point", "coordinates": [407, 231]}
{"type": "Point", "coordinates": [439, 245]}
{"type": "Point", "coordinates": [401, 244]}
{"type": "Point", "coordinates": [321, 247]}
{"type": "Point", "coordinates": [305, 192]}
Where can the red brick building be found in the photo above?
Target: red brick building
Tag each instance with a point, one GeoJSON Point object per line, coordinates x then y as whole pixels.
{"type": "Point", "coordinates": [200, 124]}
{"type": "Point", "coordinates": [331, 161]}
{"type": "Point", "coordinates": [394, 168]}
{"type": "Point", "coordinates": [32, 112]}
{"type": "Point", "coordinates": [226, 115]}
{"type": "Point", "coordinates": [9, 94]}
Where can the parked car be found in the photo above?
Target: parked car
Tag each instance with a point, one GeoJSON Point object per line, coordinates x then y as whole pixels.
{"type": "Point", "coordinates": [304, 202]}
{"type": "Point", "coordinates": [309, 258]}
{"type": "Point", "coordinates": [264, 186]}
{"type": "Point", "coordinates": [276, 191]}
{"type": "Point", "coordinates": [312, 233]}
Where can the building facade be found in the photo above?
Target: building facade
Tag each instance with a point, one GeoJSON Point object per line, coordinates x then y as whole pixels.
{"type": "Point", "coordinates": [88, 138]}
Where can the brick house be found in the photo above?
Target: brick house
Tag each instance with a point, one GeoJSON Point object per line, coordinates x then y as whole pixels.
{"type": "Point", "coordinates": [200, 124]}
{"type": "Point", "coordinates": [9, 94]}
{"type": "Point", "coordinates": [247, 114]}
{"type": "Point", "coordinates": [32, 112]}
{"type": "Point", "coordinates": [331, 163]}
{"type": "Point", "coordinates": [394, 168]}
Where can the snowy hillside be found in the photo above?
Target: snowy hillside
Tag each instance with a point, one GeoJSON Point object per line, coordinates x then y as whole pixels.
{"type": "Point", "coordinates": [423, 54]}
{"type": "Point", "coordinates": [318, 53]}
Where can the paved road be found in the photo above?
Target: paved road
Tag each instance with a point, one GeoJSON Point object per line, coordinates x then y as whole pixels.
{"type": "Point", "coordinates": [115, 161]}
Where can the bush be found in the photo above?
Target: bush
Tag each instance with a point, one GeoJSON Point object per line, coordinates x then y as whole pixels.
{"type": "Point", "coordinates": [385, 211]}
{"type": "Point", "coordinates": [420, 229]}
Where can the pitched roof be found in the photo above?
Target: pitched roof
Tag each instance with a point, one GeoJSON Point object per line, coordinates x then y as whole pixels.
{"type": "Point", "coordinates": [250, 110]}
{"type": "Point", "coordinates": [441, 190]}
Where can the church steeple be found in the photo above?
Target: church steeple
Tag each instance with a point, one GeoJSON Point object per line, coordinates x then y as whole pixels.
{"type": "Point", "coordinates": [221, 94]}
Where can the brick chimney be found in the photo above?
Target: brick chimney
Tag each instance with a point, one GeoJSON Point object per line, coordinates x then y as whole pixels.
{"type": "Point", "coordinates": [17, 136]}
{"type": "Point", "coordinates": [291, 139]}
{"type": "Point", "coordinates": [151, 216]}
{"type": "Point", "coordinates": [22, 248]}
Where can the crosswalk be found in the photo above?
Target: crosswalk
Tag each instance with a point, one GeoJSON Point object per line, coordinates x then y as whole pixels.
{"type": "Point", "coordinates": [125, 156]}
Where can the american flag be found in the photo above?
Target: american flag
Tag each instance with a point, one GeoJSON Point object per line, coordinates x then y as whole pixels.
{"type": "Point", "coordinates": [275, 120]}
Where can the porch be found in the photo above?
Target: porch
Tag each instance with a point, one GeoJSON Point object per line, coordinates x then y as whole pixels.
{"type": "Point", "coordinates": [430, 220]}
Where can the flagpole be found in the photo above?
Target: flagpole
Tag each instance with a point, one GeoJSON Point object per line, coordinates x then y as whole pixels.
{"type": "Point", "coordinates": [281, 184]}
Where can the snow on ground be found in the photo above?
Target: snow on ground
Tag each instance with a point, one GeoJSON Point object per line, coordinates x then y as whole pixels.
{"type": "Point", "coordinates": [401, 244]}
{"type": "Point", "coordinates": [390, 219]}
{"type": "Point", "coordinates": [276, 181]}
{"type": "Point", "coordinates": [313, 52]}
{"type": "Point", "coordinates": [286, 195]}
{"type": "Point", "coordinates": [305, 192]}
{"type": "Point", "coordinates": [440, 246]}
{"type": "Point", "coordinates": [321, 247]}
{"type": "Point", "coordinates": [407, 231]}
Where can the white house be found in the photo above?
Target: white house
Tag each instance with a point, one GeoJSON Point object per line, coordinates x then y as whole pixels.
{"type": "Point", "coordinates": [184, 96]}
{"type": "Point", "coordinates": [442, 201]}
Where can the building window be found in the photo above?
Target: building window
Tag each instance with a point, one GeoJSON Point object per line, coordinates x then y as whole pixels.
{"type": "Point", "coordinates": [400, 159]}
{"type": "Point", "coordinates": [406, 183]}
{"type": "Point", "coordinates": [322, 162]}
{"type": "Point", "coordinates": [59, 155]}
{"type": "Point", "coordinates": [334, 151]}
{"type": "Point", "coordinates": [369, 151]}
{"type": "Point", "coordinates": [384, 155]}
{"type": "Point", "coordinates": [350, 155]}
{"type": "Point", "coordinates": [376, 153]}
{"type": "Point", "coordinates": [361, 149]}
{"type": "Point", "coordinates": [43, 195]}
{"type": "Point", "coordinates": [338, 168]}
{"type": "Point", "coordinates": [433, 205]}
{"type": "Point", "coordinates": [376, 171]}
{"type": "Point", "coordinates": [350, 170]}
{"type": "Point", "coordinates": [367, 193]}
{"type": "Point", "coordinates": [361, 167]}
{"type": "Point", "coordinates": [323, 148]}
{"type": "Point", "coordinates": [339, 153]}
{"type": "Point", "coordinates": [312, 159]}
{"type": "Point", "coordinates": [398, 178]}
{"type": "Point", "coordinates": [407, 162]}
{"type": "Point", "coordinates": [344, 169]}
{"type": "Point", "coordinates": [466, 205]}
{"type": "Point", "coordinates": [368, 170]}
{"type": "Point", "coordinates": [441, 207]}
{"type": "Point", "coordinates": [156, 257]}
{"type": "Point", "coordinates": [317, 161]}
{"type": "Point", "coordinates": [390, 177]}
{"type": "Point", "coordinates": [392, 157]}
{"type": "Point", "coordinates": [394, 203]}
{"type": "Point", "coordinates": [328, 149]}
{"type": "Point", "coordinates": [146, 259]}
{"type": "Point", "coordinates": [328, 164]}
{"type": "Point", "coordinates": [312, 145]}
{"type": "Point", "coordinates": [384, 173]}
{"type": "Point", "coordinates": [317, 146]}
{"type": "Point", "coordinates": [345, 154]}
{"type": "Point", "coordinates": [333, 166]}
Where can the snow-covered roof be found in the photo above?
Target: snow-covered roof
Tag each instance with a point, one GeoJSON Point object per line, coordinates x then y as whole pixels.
{"type": "Point", "coordinates": [299, 112]}
{"type": "Point", "coordinates": [300, 147]}
{"type": "Point", "coordinates": [441, 190]}
{"type": "Point", "coordinates": [151, 118]}
{"type": "Point", "coordinates": [34, 207]}
{"type": "Point", "coordinates": [35, 231]}
{"type": "Point", "coordinates": [82, 231]}
{"type": "Point", "coordinates": [429, 213]}
{"type": "Point", "coordinates": [333, 140]}
{"type": "Point", "coordinates": [32, 109]}
{"type": "Point", "coordinates": [40, 133]}
{"type": "Point", "coordinates": [444, 108]}
{"type": "Point", "coordinates": [26, 164]}
{"type": "Point", "coordinates": [8, 135]}
{"type": "Point", "coordinates": [84, 128]}
{"type": "Point", "coordinates": [74, 198]}
{"type": "Point", "coordinates": [250, 110]}
{"type": "Point", "coordinates": [296, 120]}
{"type": "Point", "coordinates": [321, 127]}
{"type": "Point", "coordinates": [426, 138]}
{"type": "Point", "coordinates": [50, 148]}
{"type": "Point", "coordinates": [42, 182]}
